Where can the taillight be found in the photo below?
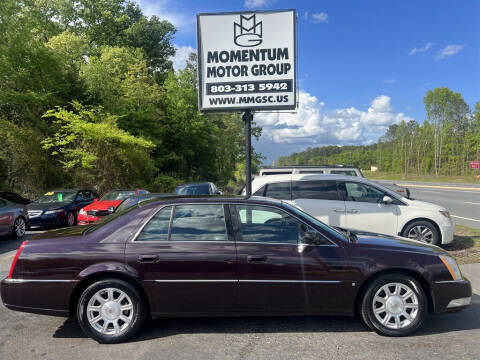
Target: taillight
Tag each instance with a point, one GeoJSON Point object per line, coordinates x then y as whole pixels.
{"type": "Point", "coordinates": [14, 262]}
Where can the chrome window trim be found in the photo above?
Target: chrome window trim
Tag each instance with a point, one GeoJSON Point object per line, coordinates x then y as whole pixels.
{"type": "Point", "coordinates": [295, 216]}
{"type": "Point", "coordinates": [134, 239]}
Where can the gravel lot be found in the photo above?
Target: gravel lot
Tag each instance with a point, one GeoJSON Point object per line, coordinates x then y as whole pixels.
{"type": "Point", "coordinates": [452, 336]}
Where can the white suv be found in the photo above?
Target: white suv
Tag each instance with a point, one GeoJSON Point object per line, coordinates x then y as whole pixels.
{"type": "Point", "coordinates": [359, 204]}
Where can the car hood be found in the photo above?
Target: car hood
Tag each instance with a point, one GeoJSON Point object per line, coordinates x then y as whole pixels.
{"type": "Point", "coordinates": [102, 205]}
{"type": "Point", "coordinates": [424, 205]}
{"type": "Point", "coordinates": [46, 206]}
{"type": "Point", "coordinates": [396, 243]}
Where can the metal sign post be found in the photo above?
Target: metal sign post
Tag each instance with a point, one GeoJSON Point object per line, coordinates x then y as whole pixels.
{"type": "Point", "coordinates": [247, 118]}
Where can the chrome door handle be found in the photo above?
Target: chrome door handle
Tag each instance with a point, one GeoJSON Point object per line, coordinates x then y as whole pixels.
{"type": "Point", "coordinates": [339, 211]}
{"type": "Point", "coordinates": [148, 258]}
{"type": "Point", "coordinates": [352, 211]}
{"type": "Point", "coordinates": [256, 258]}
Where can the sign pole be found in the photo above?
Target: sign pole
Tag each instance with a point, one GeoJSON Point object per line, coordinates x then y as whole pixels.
{"type": "Point", "coordinates": [248, 117]}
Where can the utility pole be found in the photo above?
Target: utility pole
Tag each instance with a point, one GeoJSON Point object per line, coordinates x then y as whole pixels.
{"type": "Point", "coordinates": [248, 117]}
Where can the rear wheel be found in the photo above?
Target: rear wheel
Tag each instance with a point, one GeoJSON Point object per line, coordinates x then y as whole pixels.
{"type": "Point", "coordinates": [110, 311]}
{"type": "Point", "coordinates": [422, 231]}
{"type": "Point", "coordinates": [19, 228]}
{"type": "Point", "coordinates": [394, 305]}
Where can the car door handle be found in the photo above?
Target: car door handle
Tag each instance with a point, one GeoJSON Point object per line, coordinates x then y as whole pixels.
{"type": "Point", "coordinates": [256, 258]}
{"type": "Point", "coordinates": [148, 258]}
{"type": "Point", "coordinates": [339, 210]}
{"type": "Point", "coordinates": [353, 211]}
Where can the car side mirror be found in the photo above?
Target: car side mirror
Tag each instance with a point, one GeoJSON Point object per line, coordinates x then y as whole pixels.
{"type": "Point", "coordinates": [387, 200]}
{"type": "Point", "coordinates": [311, 237]}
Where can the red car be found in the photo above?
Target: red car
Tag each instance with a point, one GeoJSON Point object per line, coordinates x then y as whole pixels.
{"type": "Point", "coordinates": [105, 206]}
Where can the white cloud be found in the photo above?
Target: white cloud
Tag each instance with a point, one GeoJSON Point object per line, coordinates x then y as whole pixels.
{"type": "Point", "coordinates": [320, 18]}
{"type": "Point", "coordinates": [313, 125]}
{"type": "Point", "coordinates": [254, 4]}
{"type": "Point", "coordinates": [389, 81]}
{"type": "Point", "coordinates": [181, 56]}
{"type": "Point", "coordinates": [165, 10]}
{"type": "Point", "coordinates": [421, 49]}
{"type": "Point", "coordinates": [449, 51]}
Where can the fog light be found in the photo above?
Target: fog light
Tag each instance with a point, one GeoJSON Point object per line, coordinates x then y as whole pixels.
{"type": "Point", "coordinates": [459, 302]}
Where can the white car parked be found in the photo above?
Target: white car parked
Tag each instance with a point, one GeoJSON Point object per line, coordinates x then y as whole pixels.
{"type": "Point", "coordinates": [359, 204]}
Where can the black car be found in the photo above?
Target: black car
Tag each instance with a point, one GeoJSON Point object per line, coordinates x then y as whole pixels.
{"type": "Point", "coordinates": [59, 207]}
{"type": "Point", "coordinates": [202, 188]}
{"type": "Point", "coordinates": [134, 200]}
{"type": "Point", "coordinates": [13, 197]}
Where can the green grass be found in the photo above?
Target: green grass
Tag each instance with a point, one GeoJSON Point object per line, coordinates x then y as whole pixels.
{"type": "Point", "coordinates": [468, 179]}
{"type": "Point", "coordinates": [466, 245]}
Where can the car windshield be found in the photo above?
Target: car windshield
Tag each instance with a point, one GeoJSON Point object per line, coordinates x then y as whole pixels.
{"type": "Point", "coordinates": [200, 189]}
{"type": "Point", "coordinates": [325, 227]}
{"type": "Point", "coordinates": [56, 196]}
{"type": "Point", "coordinates": [117, 195]}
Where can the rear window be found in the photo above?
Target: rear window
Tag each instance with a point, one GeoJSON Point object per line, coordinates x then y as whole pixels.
{"type": "Point", "coordinates": [310, 172]}
{"type": "Point", "coordinates": [201, 189]}
{"type": "Point", "coordinates": [320, 190]}
{"type": "Point", "coordinates": [280, 191]}
{"type": "Point", "coordinates": [275, 173]}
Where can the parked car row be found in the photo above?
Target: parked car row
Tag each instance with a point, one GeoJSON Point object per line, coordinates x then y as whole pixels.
{"type": "Point", "coordinates": [69, 207]}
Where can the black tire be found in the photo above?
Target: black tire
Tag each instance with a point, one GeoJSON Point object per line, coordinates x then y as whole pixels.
{"type": "Point", "coordinates": [138, 311]}
{"type": "Point", "coordinates": [70, 219]}
{"type": "Point", "coordinates": [19, 228]}
{"type": "Point", "coordinates": [368, 303]}
{"type": "Point", "coordinates": [420, 224]}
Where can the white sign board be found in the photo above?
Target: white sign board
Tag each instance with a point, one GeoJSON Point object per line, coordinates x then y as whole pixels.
{"type": "Point", "coordinates": [247, 60]}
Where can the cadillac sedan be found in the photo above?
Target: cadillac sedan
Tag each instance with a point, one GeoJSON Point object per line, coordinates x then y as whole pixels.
{"type": "Point", "coordinates": [216, 256]}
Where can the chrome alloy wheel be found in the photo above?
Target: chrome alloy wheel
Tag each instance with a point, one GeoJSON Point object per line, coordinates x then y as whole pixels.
{"type": "Point", "coordinates": [19, 227]}
{"type": "Point", "coordinates": [110, 311]}
{"type": "Point", "coordinates": [421, 233]}
{"type": "Point", "coordinates": [395, 305]}
{"type": "Point", "coordinates": [70, 219]}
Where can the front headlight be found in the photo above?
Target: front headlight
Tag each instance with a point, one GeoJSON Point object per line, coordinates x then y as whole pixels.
{"type": "Point", "coordinates": [83, 212]}
{"type": "Point", "coordinates": [53, 211]}
{"type": "Point", "coordinates": [452, 267]}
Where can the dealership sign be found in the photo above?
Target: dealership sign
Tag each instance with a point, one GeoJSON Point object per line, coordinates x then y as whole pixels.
{"type": "Point", "coordinates": [474, 165]}
{"type": "Point", "coordinates": [247, 61]}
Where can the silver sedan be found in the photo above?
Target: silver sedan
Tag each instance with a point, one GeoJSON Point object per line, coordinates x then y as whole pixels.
{"type": "Point", "coordinates": [13, 219]}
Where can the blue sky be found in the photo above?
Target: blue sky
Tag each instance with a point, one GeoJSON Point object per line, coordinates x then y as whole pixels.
{"type": "Point", "coordinates": [363, 65]}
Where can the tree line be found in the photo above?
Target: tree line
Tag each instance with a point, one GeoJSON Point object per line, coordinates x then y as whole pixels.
{"type": "Point", "coordinates": [89, 97]}
{"type": "Point", "coordinates": [443, 144]}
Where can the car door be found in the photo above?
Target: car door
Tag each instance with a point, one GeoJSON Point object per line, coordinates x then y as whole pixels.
{"type": "Point", "coordinates": [321, 199]}
{"type": "Point", "coordinates": [365, 208]}
{"type": "Point", "coordinates": [278, 272]}
{"type": "Point", "coordinates": [186, 257]}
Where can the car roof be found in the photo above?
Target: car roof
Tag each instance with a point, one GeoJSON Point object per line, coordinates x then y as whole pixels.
{"type": "Point", "coordinates": [287, 177]}
{"type": "Point", "coordinates": [175, 199]}
{"type": "Point", "coordinates": [338, 166]}
{"type": "Point", "coordinates": [196, 183]}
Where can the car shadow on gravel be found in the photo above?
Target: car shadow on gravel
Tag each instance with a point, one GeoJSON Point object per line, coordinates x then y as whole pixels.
{"type": "Point", "coordinates": [468, 319]}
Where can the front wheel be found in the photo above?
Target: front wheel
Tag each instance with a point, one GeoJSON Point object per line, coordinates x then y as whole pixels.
{"type": "Point", "coordinates": [110, 311]}
{"type": "Point", "coordinates": [71, 219]}
{"type": "Point", "coordinates": [394, 305]}
{"type": "Point", "coordinates": [422, 231]}
{"type": "Point", "coordinates": [19, 228]}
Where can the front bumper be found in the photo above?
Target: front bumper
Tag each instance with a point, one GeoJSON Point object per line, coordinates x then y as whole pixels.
{"type": "Point", "coordinates": [451, 295]}
{"type": "Point", "coordinates": [86, 219]}
{"type": "Point", "coordinates": [447, 229]}
{"type": "Point", "coordinates": [46, 219]}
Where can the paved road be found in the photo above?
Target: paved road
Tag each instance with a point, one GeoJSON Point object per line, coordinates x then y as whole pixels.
{"type": "Point", "coordinates": [462, 200]}
{"type": "Point", "coordinates": [453, 336]}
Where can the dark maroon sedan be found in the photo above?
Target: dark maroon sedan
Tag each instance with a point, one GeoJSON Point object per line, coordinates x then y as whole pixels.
{"type": "Point", "coordinates": [211, 256]}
